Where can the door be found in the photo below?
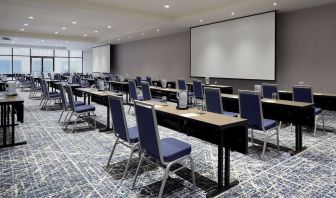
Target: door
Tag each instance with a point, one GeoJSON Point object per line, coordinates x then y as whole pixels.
{"type": "Point", "coordinates": [42, 64]}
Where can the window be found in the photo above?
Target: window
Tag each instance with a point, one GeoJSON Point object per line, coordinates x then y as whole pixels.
{"type": "Point", "coordinates": [21, 64]}
{"type": "Point", "coordinates": [61, 65]}
{"type": "Point", "coordinates": [21, 51]}
{"type": "Point", "coordinates": [42, 52]}
{"type": "Point", "coordinates": [5, 51]}
{"type": "Point", "coordinates": [61, 53]}
{"type": "Point", "coordinates": [74, 53]}
{"type": "Point", "coordinates": [76, 65]}
{"type": "Point", "coordinates": [5, 64]}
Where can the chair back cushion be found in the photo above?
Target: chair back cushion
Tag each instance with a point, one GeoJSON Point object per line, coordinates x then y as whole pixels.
{"type": "Point", "coordinates": [63, 97]}
{"type": "Point", "coordinates": [181, 84]}
{"type": "Point", "coordinates": [250, 108]}
{"type": "Point", "coordinates": [147, 128]}
{"type": "Point", "coordinates": [198, 90]}
{"type": "Point", "coordinates": [149, 80]}
{"type": "Point", "coordinates": [269, 89]}
{"type": "Point", "coordinates": [146, 91]}
{"type": "Point", "coordinates": [70, 98]}
{"type": "Point", "coordinates": [118, 117]}
{"type": "Point", "coordinates": [213, 100]}
{"type": "Point", "coordinates": [138, 81]}
{"type": "Point", "coordinates": [303, 93]}
{"type": "Point", "coordinates": [132, 90]}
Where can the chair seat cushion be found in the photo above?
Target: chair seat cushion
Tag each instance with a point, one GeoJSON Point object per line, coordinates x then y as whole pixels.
{"type": "Point", "coordinates": [133, 134]}
{"type": "Point", "coordinates": [318, 111]}
{"type": "Point", "coordinates": [268, 124]}
{"type": "Point", "coordinates": [190, 94]}
{"type": "Point", "coordinates": [54, 95]}
{"type": "Point", "coordinates": [53, 92]}
{"type": "Point", "coordinates": [85, 108]}
{"type": "Point", "coordinates": [173, 149]}
{"type": "Point", "coordinates": [140, 98]}
{"type": "Point", "coordinates": [77, 103]}
{"type": "Point", "coordinates": [228, 113]}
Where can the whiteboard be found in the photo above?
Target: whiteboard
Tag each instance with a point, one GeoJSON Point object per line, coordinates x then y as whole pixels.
{"type": "Point", "coordinates": [102, 59]}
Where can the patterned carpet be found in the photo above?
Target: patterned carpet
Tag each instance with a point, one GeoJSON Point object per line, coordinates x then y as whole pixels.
{"type": "Point", "coordinates": [58, 163]}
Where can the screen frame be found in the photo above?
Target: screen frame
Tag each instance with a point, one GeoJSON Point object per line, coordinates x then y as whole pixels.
{"type": "Point", "coordinates": [247, 16]}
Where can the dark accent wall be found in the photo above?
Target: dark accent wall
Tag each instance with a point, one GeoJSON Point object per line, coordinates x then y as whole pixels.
{"type": "Point", "coordinates": [306, 51]}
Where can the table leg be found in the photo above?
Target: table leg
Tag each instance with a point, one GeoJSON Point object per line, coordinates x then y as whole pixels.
{"type": "Point", "coordinates": [108, 128]}
{"type": "Point", "coordinates": [84, 97]}
{"type": "Point", "coordinates": [298, 140]}
{"type": "Point", "coordinates": [89, 99]}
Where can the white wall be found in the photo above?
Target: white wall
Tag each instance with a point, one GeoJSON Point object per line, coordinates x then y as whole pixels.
{"type": "Point", "coordinates": [88, 61]}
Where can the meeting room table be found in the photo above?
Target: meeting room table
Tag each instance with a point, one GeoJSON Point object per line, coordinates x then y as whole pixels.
{"type": "Point", "coordinates": [103, 95]}
{"type": "Point", "coordinates": [224, 131]}
{"type": "Point", "coordinates": [225, 89]}
{"type": "Point", "coordinates": [121, 86]}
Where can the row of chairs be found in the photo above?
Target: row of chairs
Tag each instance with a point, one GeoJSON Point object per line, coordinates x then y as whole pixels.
{"type": "Point", "coordinates": [146, 139]}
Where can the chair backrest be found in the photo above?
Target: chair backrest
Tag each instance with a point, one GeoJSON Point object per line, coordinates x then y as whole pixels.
{"type": "Point", "coordinates": [78, 80]}
{"type": "Point", "coordinates": [250, 108]}
{"type": "Point", "coordinates": [181, 84]}
{"type": "Point", "coordinates": [68, 90]}
{"type": "Point", "coordinates": [303, 93]}
{"type": "Point", "coordinates": [63, 96]}
{"type": "Point", "coordinates": [197, 88]}
{"type": "Point", "coordinates": [146, 91]}
{"type": "Point", "coordinates": [148, 129]}
{"type": "Point", "coordinates": [96, 82]}
{"type": "Point", "coordinates": [269, 89]}
{"type": "Point", "coordinates": [132, 90]}
{"type": "Point", "coordinates": [32, 82]}
{"type": "Point", "coordinates": [213, 100]}
{"type": "Point", "coordinates": [149, 80]}
{"type": "Point", "coordinates": [138, 81]}
{"type": "Point", "coordinates": [118, 117]}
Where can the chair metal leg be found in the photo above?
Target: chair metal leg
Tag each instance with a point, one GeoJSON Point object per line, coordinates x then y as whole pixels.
{"type": "Point", "coordinates": [95, 122]}
{"type": "Point", "coordinates": [165, 176]}
{"type": "Point", "coordinates": [279, 125]}
{"type": "Point", "coordinates": [61, 116]}
{"type": "Point", "coordinates": [192, 171]}
{"type": "Point", "coordinates": [67, 123]}
{"type": "Point", "coordinates": [252, 137]}
{"type": "Point", "coordinates": [73, 129]}
{"type": "Point", "coordinates": [291, 126]}
{"type": "Point", "coordinates": [137, 171]}
{"type": "Point", "coordinates": [66, 116]}
{"type": "Point", "coordinates": [277, 133]}
{"type": "Point", "coordinates": [265, 144]}
{"type": "Point", "coordinates": [315, 125]}
{"type": "Point", "coordinates": [113, 148]}
{"type": "Point", "coordinates": [323, 122]}
{"type": "Point", "coordinates": [129, 160]}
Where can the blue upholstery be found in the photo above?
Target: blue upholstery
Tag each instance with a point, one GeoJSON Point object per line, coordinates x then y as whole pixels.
{"type": "Point", "coordinates": [268, 124]}
{"type": "Point", "coordinates": [77, 103]}
{"type": "Point", "coordinates": [68, 90]}
{"type": "Point", "coordinates": [53, 92]}
{"type": "Point", "coordinates": [232, 114]}
{"type": "Point", "coordinates": [55, 95]}
{"type": "Point", "coordinates": [213, 100]}
{"type": "Point", "coordinates": [84, 108]}
{"type": "Point", "coordinates": [138, 81]}
{"type": "Point", "coordinates": [173, 149]}
{"type": "Point", "coordinates": [303, 94]}
{"type": "Point", "coordinates": [181, 84]}
{"type": "Point", "coordinates": [146, 91]}
{"type": "Point", "coordinates": [133, 91]}
{"type": "Point", "coordinates": [149, 80]}
{"type": "Point", "coordinates": [147, 130]}
{"type": "Point", "coordinates": [318, 111]}
{"type": "Point", "coordinates": [268, 90]}
{"type": "Point", "coordinates": [119, 121]}
{"type": "Point", "coordinates": [198, 90]}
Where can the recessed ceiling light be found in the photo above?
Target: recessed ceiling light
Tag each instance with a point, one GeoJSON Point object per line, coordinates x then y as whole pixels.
{"type": "Point", "coordinates": [15, 38]}
{"type": "Point", "coordinates": [109, 41]}
{"type": "Point", "coordinates": [109, 27]}
{"type": "Point", "coordinates": [130, 36]}
{"type": "Point", "coordinates": [42, 40]}
{"type": "Point", "coordinates": [66, 42]}
{"type": "Point", "coordinates": [56, 32]}
{"type": "Point", "coordinates": [63, 28]}
{"type": "Point", "coordinates": [26, 24]}
{"type": "Point", "coordinates": [158, 30]}
{"type": "Point", "coordinates": [119, 39]}
{"type": "Point", "coordinates": [96, 31]}
{"type": "Point", "coordinates": [275, 4]}
{"type": "Point", "coordinates": [30, 17]}
{"type": "Point", "coordinates": [38, 42]}
{"type": "Point", "coordinates": [22, 29]}
{"type": "Point", "coordinates": [85, 35]}
{"type": "Point", "coordinates": [201, 20]}
{"type": "Point", "coordinates": [167, 6]}
{"type": "Point", "coordinates": [74, 22]}
{"type": "Point", "coordinates": [143, 34]}
{"type": "Point", "coordinates": [232, 13]}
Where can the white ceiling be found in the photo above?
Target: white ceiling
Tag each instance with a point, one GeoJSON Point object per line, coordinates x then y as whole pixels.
{"type": "Point", "coordinates": [129, 19]}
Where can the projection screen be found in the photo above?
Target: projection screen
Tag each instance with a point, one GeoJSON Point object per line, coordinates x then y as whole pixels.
{"type": "Point", "coordinates": [242, 48]}
{"type": "Point", "coordinates": [102, 59]}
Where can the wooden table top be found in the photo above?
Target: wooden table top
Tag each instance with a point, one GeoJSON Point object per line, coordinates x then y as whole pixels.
{"type": "Point", "coordinates": [315, 94]}
{"type": "Point", "coordinates": [218, 120]}
{"type": "Point", "coordinates": [213, 85]}
{"type": "Point", "coordinates": [164, 89]}
{"type": "Point", "coordinates": [95, 91]}
{"type": "Point", "coordinates": [117, 82]}
{"type": "Point", "coordinates": [5, 99]}
{"type": "Point", "coordinates": [52, 80]}
{"type": "Point", "coordinates": [280, 102]}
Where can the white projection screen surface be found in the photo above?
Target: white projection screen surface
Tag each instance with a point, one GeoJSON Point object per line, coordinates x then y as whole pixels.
{"type": "Point", "coordinates": [101, 59]}
{"type": "Point", "coordinates": [242, 48]}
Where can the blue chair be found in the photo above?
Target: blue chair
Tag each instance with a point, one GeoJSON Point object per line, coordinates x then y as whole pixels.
{"type": "Point", "coordinates": [269, 89]}
{"type": "Point", "coordinates": [126, 136]}
{"type": "Point", "coordinates": [133, 92]}
{"type": "Point", "coordinates": [181, 84]}
{"type": "Point", "coordinates": [303, 93]}
{"type": "Point", "coordinates": [48, 96]}
{"type": "Point", "coordinates": [213, 102]}
{"type": "Point", "coordinates": [138, 81]}
{"type": "Point", "coordinates": [250, 108]}
{"type": "Point", "coordinates": [164, 152]}
{"type": "Point", "coordinates": [78, 110]}
{"type": "Point", "coordinates": [149, 80]}
{"type": "Point", "coordinates": [34, 89]}
{"type": "Point", "coordinates": [146, 91]}
{"type": "Point", "coordinates": [66, 104]}
{"type": "Point", "coordinates": [198, 93]}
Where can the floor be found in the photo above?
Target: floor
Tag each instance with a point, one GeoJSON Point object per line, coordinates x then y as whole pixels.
{"type": "Point", "coordinates": [58, 163]}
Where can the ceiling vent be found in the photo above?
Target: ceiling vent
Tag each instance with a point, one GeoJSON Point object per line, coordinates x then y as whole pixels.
{"type": "Point", "coordinates": [6, 39]}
